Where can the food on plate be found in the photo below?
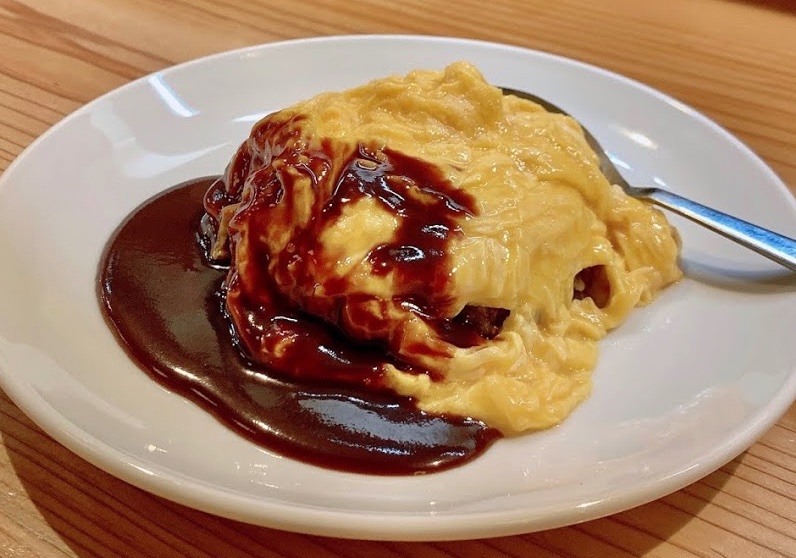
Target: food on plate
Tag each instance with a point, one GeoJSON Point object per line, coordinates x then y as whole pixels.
{"type": "Point", "coordinates": [388, 278]}
{"type": "Point", "coordinates": [469, 233]}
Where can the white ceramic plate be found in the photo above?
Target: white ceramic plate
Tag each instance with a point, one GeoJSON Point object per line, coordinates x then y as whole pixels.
{"type": "Point", "coordinates": [683, 387]}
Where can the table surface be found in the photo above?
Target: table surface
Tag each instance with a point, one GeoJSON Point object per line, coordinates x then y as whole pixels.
{"type": "Point", "coordinates": [734, 60]}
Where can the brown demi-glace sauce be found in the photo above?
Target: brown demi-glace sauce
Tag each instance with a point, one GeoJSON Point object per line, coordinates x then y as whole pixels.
{"type": "Point", "coordinates": [297, 190]}
{"type": "Point", "coordinates": [238, 326]}
{"type": "Point", "coordinates": [164, 302]}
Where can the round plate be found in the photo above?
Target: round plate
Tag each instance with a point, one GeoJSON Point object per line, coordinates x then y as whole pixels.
{"type": "Point", "coordinates": [681, 388]}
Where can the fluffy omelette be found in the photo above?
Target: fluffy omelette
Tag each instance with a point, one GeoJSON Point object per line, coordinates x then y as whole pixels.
{"type": "Point", "coordinates": [537, 243]}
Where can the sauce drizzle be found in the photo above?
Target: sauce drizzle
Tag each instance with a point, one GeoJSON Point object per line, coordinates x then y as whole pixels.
{"type": "Point", "coordinates": [163, 301]}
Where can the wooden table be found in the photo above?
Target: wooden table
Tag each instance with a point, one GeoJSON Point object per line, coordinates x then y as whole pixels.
{"type": "Point", "coordinates": [735, 60]}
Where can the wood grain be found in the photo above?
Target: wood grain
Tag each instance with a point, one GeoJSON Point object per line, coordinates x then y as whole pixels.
{"type": "Point", "coordinates": [734, 60]}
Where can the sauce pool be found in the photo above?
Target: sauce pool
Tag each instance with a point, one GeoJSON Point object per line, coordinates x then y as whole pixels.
{"type": "Point", "coordinates": [163, 302]}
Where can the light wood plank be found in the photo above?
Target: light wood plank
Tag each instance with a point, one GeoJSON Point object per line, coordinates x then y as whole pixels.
{"type": "Point", "coordinates": [734, 60]}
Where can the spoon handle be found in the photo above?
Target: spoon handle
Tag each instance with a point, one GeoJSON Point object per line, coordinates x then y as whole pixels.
{"type": "Point", "coordinates": [772, 245]}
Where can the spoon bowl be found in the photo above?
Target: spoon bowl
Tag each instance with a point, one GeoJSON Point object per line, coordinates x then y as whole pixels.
{"type": "Point", "coordinates": [770, 244]}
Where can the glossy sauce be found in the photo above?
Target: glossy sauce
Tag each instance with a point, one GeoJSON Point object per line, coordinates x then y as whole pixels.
{"type": "Point", "coordinates": [281, 267]}
{"type": "Point", "coordinates": [164, 302]}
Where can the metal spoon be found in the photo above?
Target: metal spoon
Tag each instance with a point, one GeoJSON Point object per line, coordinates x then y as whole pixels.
{"type": "Point", "coordinates": [774, 246]}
